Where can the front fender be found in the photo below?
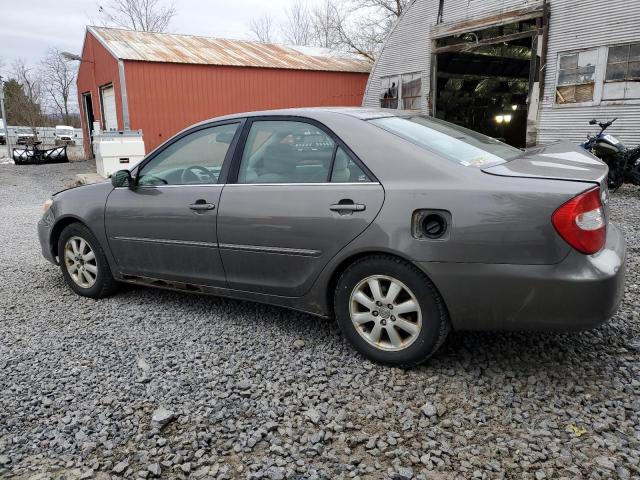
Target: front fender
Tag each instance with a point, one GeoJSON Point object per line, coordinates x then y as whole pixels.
{"type": "Point", "coordinates": [86, 205]}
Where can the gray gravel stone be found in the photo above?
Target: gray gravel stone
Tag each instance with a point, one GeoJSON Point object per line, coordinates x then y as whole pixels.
{"type": "Point", "coordinates": [120, 466]}
{"type": "Point", "coordinates": [155, 469]}
{"type": "Point", "coordinates": [82, 378]}
{"type": "Point", "coordinates": [162, 417]}
{"type": "Point", "coordinates": [429, 409]}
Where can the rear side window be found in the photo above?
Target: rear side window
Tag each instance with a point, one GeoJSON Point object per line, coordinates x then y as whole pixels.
{"type": "Point", "coordinates": [450, 141]}
{"type": "Point", "coordinates": [286, 152]}
{"type": "Point", "coordinates": [345, 169]}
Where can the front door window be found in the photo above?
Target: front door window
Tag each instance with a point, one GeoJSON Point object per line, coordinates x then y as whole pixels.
{"type": "Point", "coordinates": [195, 159]}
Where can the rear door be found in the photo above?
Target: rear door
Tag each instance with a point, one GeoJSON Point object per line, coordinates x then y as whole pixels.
{"type": "Point", "coordinates": [297, 196]}
{"type": "Point", "coordinates": [164, 227]}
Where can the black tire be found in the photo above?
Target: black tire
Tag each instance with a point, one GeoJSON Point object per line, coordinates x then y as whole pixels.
{"type": "Point", "coordinates": [435, 319]}
{"type": "Point", "coordinates": [617, 166]}
{"type": "Point", "coordinates": [105, 284]}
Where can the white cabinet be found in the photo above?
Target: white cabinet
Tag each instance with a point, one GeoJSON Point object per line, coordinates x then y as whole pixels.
{"type": "Point", "coordinates": [117, 151]}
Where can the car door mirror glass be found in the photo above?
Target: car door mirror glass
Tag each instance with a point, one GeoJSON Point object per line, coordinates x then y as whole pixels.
{"type": "Point", "coordinates": [122, 178]}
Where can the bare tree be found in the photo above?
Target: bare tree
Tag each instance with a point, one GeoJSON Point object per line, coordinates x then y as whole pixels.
{"type": "Point", "coordinates": [58, 76]}
{"type": "Point", "coordinates": [140, 15]}
{"type": "Point", "coordinates": [27, 103]}
{"type": "Point", "coordinates": [297, 29]}
{"type": "Point", "coordinates": [262, 28]}
{"type": "Point", "coordinates": [390, 8]}
{"type": "Point", "coordinates": [365, 24]}
{"type": "Point", "coordinates": [351, 26]}
{"type": "Point", "coordinates": [325, 19]}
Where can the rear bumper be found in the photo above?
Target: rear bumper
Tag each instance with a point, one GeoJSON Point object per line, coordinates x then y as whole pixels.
{"type": "Point", "coordinates": [579, 293]}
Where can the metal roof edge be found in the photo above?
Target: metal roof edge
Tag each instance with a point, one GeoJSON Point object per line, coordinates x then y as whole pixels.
{"type": "Point", "coordinates": [91, 29]}
{"type": "Point", "coordinates": [314, 61]}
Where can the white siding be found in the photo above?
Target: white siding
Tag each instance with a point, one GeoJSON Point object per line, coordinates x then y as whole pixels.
{"type": "Point", "coordinates": [574, 24]}
{"type": "Point", "coordinates": [407, 50]}
{"type": "Point", "coordinates": [408, 47]}
{"type": "Point", "coordinates": [583, 24]}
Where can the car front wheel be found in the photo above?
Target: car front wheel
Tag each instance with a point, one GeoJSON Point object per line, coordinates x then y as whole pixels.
{"type": "Point", "coordinates": [390, 311]}
{"type": "Point", "coordinates": [83, 263]}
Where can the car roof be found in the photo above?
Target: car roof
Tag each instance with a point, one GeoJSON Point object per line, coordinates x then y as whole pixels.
{"type": "Point", "coordinates": [361, 113]}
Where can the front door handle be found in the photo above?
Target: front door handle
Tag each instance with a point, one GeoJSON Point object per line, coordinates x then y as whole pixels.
{"type": "Point", "coordinates": [345, 206]}
{"type": "Point", "coordinates": [201, 205]}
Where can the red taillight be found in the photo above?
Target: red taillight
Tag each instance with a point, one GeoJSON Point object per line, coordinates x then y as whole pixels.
{"type": "Point", "coordinates": [581, 222]}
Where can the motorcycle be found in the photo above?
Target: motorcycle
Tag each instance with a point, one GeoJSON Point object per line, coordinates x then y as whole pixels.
{"type": "Point", "coordinates": [623, 163]}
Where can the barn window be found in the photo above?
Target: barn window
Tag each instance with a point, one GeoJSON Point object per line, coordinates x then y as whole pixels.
{"type": "Point", "coordinates": [576, 77]}
{"type": "Point", "coordinates": [622, 79]}
{"type": "Point", "coordinates": [411, 91]}
{"type": "Point", "coordinates": [389, 92]}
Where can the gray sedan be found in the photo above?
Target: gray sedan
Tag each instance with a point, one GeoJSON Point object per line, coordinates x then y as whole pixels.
{"type": "Point", "coordinates": [399, 225]}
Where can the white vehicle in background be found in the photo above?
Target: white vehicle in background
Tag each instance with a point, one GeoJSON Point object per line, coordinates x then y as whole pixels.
{"type": "Point", "coordinates": [64, 135]}
{"type": "Point", "coordinates": [25, 136]}
{"type": "Point", "coordinates": [3, 140]}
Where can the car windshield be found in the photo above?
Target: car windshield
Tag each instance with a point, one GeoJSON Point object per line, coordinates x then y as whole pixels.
{"type": "Point", "coordinates": [25, 131]}
{"type": "Point", "coordinates": [65, 131]}
{"type": "Point", "coordinates": [455, 143]}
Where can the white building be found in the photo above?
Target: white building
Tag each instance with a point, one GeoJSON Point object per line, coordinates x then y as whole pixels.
{"type": "Point", "coordinates": [548, 67]}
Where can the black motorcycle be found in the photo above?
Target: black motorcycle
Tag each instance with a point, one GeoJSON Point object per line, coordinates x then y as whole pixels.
{"type": "Point", "coordinates": [624, 163]}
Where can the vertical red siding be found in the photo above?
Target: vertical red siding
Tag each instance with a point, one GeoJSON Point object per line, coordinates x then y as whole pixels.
{"type": "Point", "coordinates": [164, 98]}
{"type": "Point", "coordinates": [98, 68]}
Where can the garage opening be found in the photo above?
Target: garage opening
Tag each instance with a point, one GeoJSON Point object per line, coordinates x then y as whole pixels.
{"type": "Point", "coordinates": [484, 79]}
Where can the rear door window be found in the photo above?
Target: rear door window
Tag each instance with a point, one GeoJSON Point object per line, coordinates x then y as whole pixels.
{"type": "Point", "coordinates": [283, 151]}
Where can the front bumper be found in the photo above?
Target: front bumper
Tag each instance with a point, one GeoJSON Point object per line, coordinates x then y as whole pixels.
{"type": "Point", "coordinates": [45, 229]}
{"type": "Point", "coordinates": [579, 293]}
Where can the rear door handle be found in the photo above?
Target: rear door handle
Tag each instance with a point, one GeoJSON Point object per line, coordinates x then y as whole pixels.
{"type": "Point", "coordinates": [347, 207]}
{"type": "Point", "coordinates": [201, 205]}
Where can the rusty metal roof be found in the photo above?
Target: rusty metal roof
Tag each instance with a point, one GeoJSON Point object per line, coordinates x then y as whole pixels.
{"type": "Point", "coordinates": [172, 48]}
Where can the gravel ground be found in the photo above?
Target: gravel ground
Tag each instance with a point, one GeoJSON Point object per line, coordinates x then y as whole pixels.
{"type": "Point", "coordinates": [152, 383]}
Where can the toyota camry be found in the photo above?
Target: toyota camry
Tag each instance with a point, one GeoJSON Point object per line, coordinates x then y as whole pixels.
{"type": "Point", "coordinates": [399, 225]}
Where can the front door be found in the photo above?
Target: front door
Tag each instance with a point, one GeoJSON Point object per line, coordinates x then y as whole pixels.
{"type": "Point", "coordinates": [300, 197]}
{"type": "Point", "coordinates": [164, 227]}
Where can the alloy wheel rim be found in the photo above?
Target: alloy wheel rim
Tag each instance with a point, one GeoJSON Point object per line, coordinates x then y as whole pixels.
{"type": "Point", "coordinates": [80, 261]}
{"type": "Point", "coordinates": [385, 313]}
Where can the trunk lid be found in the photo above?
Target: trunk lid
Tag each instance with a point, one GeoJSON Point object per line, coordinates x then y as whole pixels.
{"type": "Point", "coordinates": [558, 161]}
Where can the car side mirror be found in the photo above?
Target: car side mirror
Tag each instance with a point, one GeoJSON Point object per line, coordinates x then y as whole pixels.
{"type": "Point", "coordinates": [121, 178]}
{"type": "Point", "coordinates": [593, 121]}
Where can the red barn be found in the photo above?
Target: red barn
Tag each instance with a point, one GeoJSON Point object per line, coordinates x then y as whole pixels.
{"type": "Point", "coordinates": [161, 83]}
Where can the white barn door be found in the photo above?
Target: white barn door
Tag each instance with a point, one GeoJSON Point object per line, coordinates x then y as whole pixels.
{"type": "Point", "coordinates": [110, 118]}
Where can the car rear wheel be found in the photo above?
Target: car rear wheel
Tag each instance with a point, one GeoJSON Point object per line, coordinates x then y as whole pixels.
{"type": "Point", "coordinates": [83, 263]}
{"type": "Point", "coordinates": [390, 311]}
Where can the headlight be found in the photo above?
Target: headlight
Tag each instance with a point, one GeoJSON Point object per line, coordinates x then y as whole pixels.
{"type": "Point", "coordinates": [47, 205]}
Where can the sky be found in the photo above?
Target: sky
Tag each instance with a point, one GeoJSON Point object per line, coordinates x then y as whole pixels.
{"type": "Point", "coordinates": [29, 27]}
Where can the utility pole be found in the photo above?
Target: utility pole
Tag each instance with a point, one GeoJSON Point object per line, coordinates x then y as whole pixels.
{"type": "Point", "coordinates": [4, 118]}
